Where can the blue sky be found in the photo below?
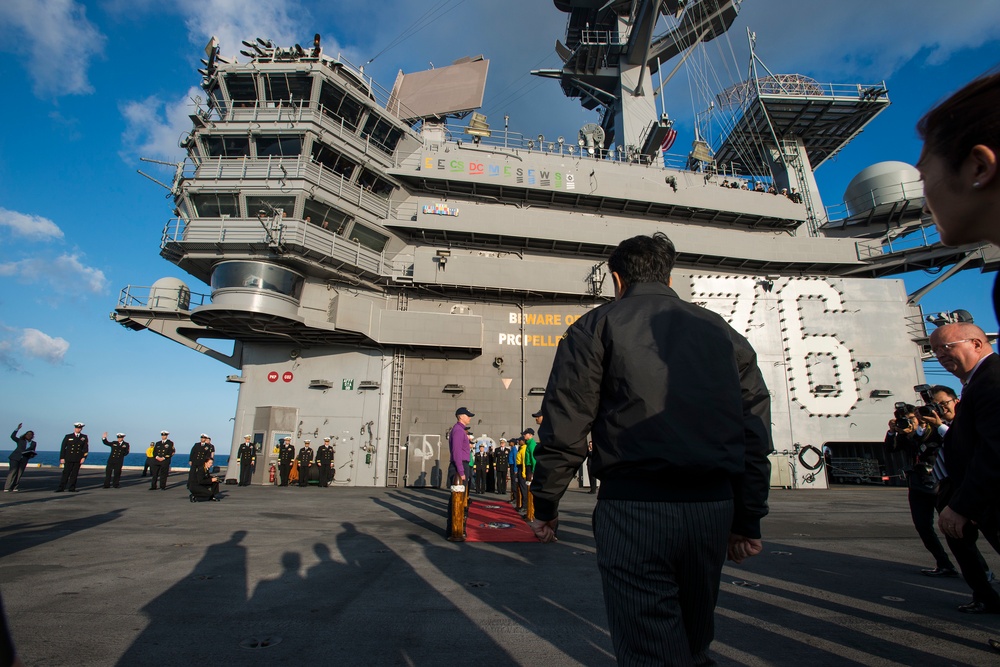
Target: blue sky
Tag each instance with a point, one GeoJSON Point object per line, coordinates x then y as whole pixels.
{"type": "Point", "coordinates": [92, 86]}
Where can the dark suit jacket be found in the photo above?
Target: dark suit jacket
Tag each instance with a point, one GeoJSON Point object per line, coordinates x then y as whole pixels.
{"type": "Point", "coordinates": [972, 444]}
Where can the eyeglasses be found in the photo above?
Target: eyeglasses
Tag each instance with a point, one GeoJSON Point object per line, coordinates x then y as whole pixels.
{"type": "Point", "coordinates": [947, 347]}
{"type": "Point", "coordinates": [948, 402]}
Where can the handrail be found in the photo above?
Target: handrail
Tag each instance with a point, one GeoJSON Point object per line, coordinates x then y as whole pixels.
{"type": "Point", "coordinates": [139, 296]}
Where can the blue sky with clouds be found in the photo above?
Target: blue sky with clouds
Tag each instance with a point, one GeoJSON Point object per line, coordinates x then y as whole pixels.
{"type": "Point", "coordinates": [92, 86]}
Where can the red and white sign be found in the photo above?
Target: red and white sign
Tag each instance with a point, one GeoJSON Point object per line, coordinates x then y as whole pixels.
{"type": "Point", "coordinates": [272, 376]}
{"type": "Point", "coordinates": [287, 377]}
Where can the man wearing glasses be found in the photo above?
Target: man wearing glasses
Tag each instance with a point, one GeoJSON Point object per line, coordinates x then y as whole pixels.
{"type": "Point", "coordinates": [968, 497]}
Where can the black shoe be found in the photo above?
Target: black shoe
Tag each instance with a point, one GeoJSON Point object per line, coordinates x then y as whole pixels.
{"type": "Point", "coordinates": [107, 487]}
{"type": "Point", "coordinates": [979, 608]}
{"type": "Point", "coordinates": [940, 572]}
{"type": "Point", "coordinates": [152, 488]}
{"type": "Point", "coordinates": [192, 498]}
{"type": "Point", "coordinates": [215, 500]}
{"type": "Point", "coordinates": [59, 490]}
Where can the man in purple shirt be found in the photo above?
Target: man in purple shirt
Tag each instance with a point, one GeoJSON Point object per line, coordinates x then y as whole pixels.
{"type": "Point", "coordinates": [458, 466]}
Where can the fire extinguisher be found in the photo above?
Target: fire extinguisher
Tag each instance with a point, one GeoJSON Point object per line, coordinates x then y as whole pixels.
{"type": "Point", "coordinates": [270, 475]}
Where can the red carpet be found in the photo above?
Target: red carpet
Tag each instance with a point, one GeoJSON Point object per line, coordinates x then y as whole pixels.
{"type": "Point", "coordinates": [496, 521]}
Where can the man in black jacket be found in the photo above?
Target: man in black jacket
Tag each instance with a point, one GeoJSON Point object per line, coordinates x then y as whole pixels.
{"type": "Point", "coordinates": [247, 456]}
{"type": "Point", "coordinates": [680, 418]}
{"type": "Point", "coordinates": [203, 484]}
{"type": "Point", "coordinates": [72, 453]}
{"type": "Point", "coordinates": [119, 450]}
{"type": "Point", "coordinates": [163, 453]}
{"type": "Point", "coordinates": [969, 495]}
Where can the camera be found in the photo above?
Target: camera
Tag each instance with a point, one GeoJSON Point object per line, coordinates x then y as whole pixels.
{"type": "Point", "coordinates": [901, 413]}
{"type": "Point", "coordinates": [929, 410]}
{"type": "Point", "coordinates": [930, 406]}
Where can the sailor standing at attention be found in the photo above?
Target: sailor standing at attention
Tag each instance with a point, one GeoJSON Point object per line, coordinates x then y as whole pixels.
{"type": "Point", "coordinates": [247, 456]}
{"type": "Point", "coordinates": [305, 459]}
{"type": "Point", "coordinates": [162, 451]}
{"type": "Point", "coordinates": [72, 454]}
{"type": "Point", "coordinates": [285, 457]}
{"type": "Point", "coordinates": [119, 450]}
{"type": "Point", "coordinates": [324, 458]}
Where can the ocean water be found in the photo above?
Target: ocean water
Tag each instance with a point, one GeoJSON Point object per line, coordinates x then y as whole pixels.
{"type": "Point", "coordinates": [100, 458]}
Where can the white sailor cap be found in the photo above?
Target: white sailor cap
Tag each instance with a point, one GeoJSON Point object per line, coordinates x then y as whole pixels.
{"type": "Point", "coordinates": [78, 425]}
{"type": "Point", "coordinates": [202, 436]}
{"type": "Point", "coordinates": [120, 435]}
{"type": "Point", "coordinates": [307, 441]}
{"type": "Point", "coordinates": [164, 432]}
{"type": "Point", "coordinates": [248, 437]}
{"type": "Point", "coordinates": [327, 439]}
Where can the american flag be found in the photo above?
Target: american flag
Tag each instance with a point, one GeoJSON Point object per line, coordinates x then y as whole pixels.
{"type": "Point", "coordinates": [668, 140]}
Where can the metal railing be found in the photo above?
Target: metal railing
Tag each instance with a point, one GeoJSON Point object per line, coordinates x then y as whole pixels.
{"type": "Point", "coordinates": [140, 296]}
{"type": "Point", "coordinates": [887, 194]}
{"type": "Point", "coordinates": [236, 172]}
{"type": "Point", "coordinates": [311, 238]}
{"type": "Point", "coordinates": [887, 244]}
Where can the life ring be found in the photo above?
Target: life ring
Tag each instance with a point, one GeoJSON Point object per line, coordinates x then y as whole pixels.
{"type": "Point", "coordinates": [819, 458]}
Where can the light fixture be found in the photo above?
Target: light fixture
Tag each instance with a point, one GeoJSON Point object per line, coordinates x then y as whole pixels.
{"type": "Point", "coordinates": [536, 391]}
{"type": "Point", "coordinates": [320, 384]}
{"type": "Point", "coordinates": [368, 384]}
{"type": "Point", "coordinates": [880, 393]}
{"type": "Point", "coordinates": [238, 379]}
{"type": "Point", "coordinates": [824, 389]}
{"type": "Point", "coordinates": [453, 388]}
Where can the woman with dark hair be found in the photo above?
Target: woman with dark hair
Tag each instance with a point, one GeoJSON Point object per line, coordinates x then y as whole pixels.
{"type": "Point", "coordinates": [19, 458]}
{"type": "Point", "coordinates": [959, 167]}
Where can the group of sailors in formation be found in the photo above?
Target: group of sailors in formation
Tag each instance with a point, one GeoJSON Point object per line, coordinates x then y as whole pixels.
{"type": "Point", "coordinates": [297, 466]}
{"type": "Point", "coordinates": [75, 447]}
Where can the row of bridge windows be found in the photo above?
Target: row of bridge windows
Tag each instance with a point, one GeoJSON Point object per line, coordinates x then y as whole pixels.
{"type": "Point", "coordinates": [237, 146]}
{"type": "Point", "coordinates": [227, 205]}
{"type": "Point", "coordinates": [246, 90]}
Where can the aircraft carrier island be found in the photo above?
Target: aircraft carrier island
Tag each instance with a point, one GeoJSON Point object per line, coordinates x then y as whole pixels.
{"type": "Point", "coordinates": [379, 257]}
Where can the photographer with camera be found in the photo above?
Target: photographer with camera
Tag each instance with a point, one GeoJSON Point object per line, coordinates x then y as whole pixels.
{"type": "Point", "coordinates": [910, 433]}
{"type": "Point", "coordinates": [203, 484]}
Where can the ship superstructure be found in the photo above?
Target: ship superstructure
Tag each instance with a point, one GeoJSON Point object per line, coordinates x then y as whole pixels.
{"type": "Point", "coordinates": [379, 263]}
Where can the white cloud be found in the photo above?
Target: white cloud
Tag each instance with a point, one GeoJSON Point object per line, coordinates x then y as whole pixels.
{"type": "Point", "coordinates": [17, 345]}
{"type": "Point", "coordinates": [233, 21]}
{"type": "Point", "coordinates": [860, 38]}
{"type": "Point", "coordinates": [33, 227]}
{"type": "Point", "coordinates": [153, 128]}
{"type": "Point", "coordinates": [37, 344]}
{"type": "Point", "coordinates": [65, 274]}
{"type": "Point", "coordinates": [56, 41]}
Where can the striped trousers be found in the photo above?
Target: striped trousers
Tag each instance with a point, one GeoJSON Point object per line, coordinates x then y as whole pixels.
{"type": "Point", "coordinates": [660, 567]}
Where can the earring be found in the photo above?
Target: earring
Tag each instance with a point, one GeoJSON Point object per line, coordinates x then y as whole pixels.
{"type": "Point", "coordinates": [977, 184]}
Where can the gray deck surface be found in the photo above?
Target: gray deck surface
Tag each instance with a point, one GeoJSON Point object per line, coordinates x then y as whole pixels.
{"type": "Point", "coordinates": [364, 576]}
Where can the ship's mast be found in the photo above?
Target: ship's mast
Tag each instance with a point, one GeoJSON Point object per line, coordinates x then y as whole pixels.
{"type": "Point", "coordinates": [611, 53]}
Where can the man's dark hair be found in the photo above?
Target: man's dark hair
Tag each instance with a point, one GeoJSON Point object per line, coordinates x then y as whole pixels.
{"type": "Point", "coordinates": [644, 259]}
{"type": "Point", "coordinates": [942, 388]}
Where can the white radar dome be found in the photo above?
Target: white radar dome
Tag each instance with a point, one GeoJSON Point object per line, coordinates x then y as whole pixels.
{"type": "Point", "coordinates": [883, 183]}
{"type": "Point", "coordinates": [169, 294]}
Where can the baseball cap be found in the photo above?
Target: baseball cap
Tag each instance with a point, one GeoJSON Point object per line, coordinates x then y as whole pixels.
{"type": "Point", "coordinates": [528, 431]}
{"type": "Point", "coordinates": [464, 411]}
{"type": "Point", "coordinates": [536, 414]}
